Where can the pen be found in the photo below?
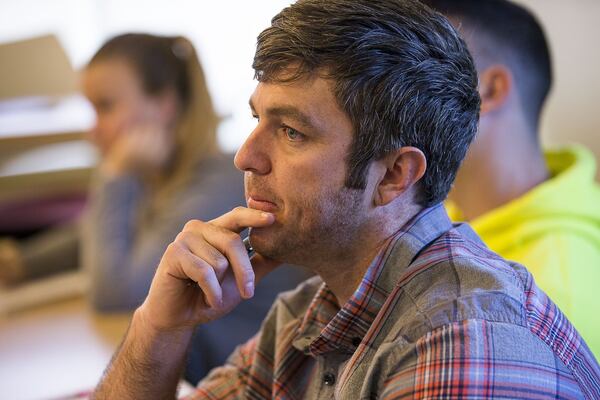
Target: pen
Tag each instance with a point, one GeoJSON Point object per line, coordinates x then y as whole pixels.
{"type": "Point", "coordinates": [249, 247]}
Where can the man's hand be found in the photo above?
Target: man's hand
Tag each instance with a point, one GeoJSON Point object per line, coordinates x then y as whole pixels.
{"type": "Point", "coordinates": [202, 276]}
{"type": "Point", "coordinates": [205, 272]}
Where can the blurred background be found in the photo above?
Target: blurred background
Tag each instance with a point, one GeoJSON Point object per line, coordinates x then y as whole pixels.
{"type": "Point", "coordinates": [43, 154]}
{"type": "Point", "coordinates": [224, 34]}
{"type": "Point", "coordinates": [42, 118]}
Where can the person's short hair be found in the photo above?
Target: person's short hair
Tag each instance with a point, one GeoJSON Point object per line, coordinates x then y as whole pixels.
{"type": "Point", "coordinates": [508, 33]}
{"type": "Point", "coordinates": [400, 72]}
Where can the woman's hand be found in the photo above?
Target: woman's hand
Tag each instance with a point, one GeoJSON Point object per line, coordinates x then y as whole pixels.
{"type": "Point", "coordinates": [142, 149]}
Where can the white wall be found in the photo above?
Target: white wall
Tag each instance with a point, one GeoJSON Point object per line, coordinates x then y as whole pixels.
{"type": "Point", "coordinates": [573, 110]}
{"type": "Point", "coordinates": [224, 33]}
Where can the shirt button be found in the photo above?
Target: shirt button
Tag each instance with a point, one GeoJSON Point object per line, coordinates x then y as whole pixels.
{"type": "Point", "coordinates": [329, 379]}
{"type": "Point", "coordinates": [356, 341]}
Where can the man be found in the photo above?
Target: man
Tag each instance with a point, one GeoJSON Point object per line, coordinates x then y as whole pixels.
{"type": "Point", "coordinates": [364, 110]}
{"type": "Point", "coordinates": [539, 209]}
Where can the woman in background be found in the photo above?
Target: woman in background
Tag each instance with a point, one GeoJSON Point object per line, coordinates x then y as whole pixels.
{"type": "Point", "coordinates": [160, 163]}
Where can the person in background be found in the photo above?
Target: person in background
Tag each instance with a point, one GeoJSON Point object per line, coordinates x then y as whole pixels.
{"type": "Point", "coordinates": [156, 135]}
{"type": "Point", "coordinates": [357, 141]}
{"type": "Point", "coordinates": [539, 208]}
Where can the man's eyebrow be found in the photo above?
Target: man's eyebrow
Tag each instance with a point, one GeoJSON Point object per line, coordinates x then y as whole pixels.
{"type": "Point", "coordinates": [287, 111]}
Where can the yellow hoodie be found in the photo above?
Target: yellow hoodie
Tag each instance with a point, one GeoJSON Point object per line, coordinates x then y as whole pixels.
{"type": "Point", "coordinates": [554, 230]}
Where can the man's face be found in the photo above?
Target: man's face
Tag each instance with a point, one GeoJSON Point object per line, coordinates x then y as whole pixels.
{"type": "Point", "coordinates": [295, 164]}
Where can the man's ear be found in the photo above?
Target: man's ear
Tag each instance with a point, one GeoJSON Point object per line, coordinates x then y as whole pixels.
{"type": "Point", "coordinates": [403, 168]}
{"type": "Point", "coordinates": [495, 85]}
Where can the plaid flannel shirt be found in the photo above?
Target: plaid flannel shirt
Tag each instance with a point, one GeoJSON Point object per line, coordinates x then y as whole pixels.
{"type": "Point", "coordinates": [437, 315]}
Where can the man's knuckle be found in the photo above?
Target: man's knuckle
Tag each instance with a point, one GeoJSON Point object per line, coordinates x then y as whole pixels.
{"type": "Point", "coordinates": [173, 249]}
{"type": "Point", "coordinates": [238, 210]}
{"type": "Point", "coordinates": [181, 237]}
{"type": "Point", "coordinates": [203, 272]}
{"type": "Point", "coordinates": [231, 239]}
{"type": "Point", "coordinates": [221, 262]}
{"type": "Point", "coordinates": [192, 225]}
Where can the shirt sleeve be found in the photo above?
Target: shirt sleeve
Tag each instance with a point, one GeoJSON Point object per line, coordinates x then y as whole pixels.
{"type": "Point", "coordinates": [110, 242]}
{"type": "Point", "coordinates": [230, 380]}
{"type": "Point", "coordinates": [477, 359]}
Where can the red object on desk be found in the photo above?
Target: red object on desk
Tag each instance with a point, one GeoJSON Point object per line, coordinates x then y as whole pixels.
{"type": "Point", "coordinates": [31, 215]}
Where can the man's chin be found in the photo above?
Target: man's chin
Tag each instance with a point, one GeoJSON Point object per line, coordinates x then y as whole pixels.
{"type": "Point", "coordinates": [267, 242]}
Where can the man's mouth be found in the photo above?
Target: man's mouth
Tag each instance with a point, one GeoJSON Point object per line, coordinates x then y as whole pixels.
{"type": "Point", "coordinates": [261, 204]}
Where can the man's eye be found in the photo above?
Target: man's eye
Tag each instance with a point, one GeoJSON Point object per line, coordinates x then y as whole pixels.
{"type": "Point", "coordinates": [293, 134]}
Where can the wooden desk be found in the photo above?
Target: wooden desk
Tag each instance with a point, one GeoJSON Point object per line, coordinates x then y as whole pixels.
{"type": "Point", "coordinates": [56, 350]}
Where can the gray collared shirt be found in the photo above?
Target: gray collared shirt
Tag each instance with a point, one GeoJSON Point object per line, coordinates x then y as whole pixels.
{"type": "Point", "coordinates": [437, 315]}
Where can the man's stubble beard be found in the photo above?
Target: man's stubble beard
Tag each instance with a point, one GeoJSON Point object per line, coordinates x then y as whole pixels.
{"type": "Point", "coordinates": [328, 230]}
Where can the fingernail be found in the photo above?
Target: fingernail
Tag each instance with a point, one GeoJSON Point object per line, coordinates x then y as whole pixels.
{"type": "Point", "coordinates": [249, 290]}
{"type": "Point", "coordinates": [266, 215]}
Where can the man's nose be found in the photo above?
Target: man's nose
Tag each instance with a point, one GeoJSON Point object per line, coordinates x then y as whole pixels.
{"type": "Point", "coordinates": [254, 154]}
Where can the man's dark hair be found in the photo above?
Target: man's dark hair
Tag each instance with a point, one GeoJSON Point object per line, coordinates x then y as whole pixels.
{"type": "Point", "coordinates": [401, 73]}
{"type": "Point", "coordinates": [510, 34]}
